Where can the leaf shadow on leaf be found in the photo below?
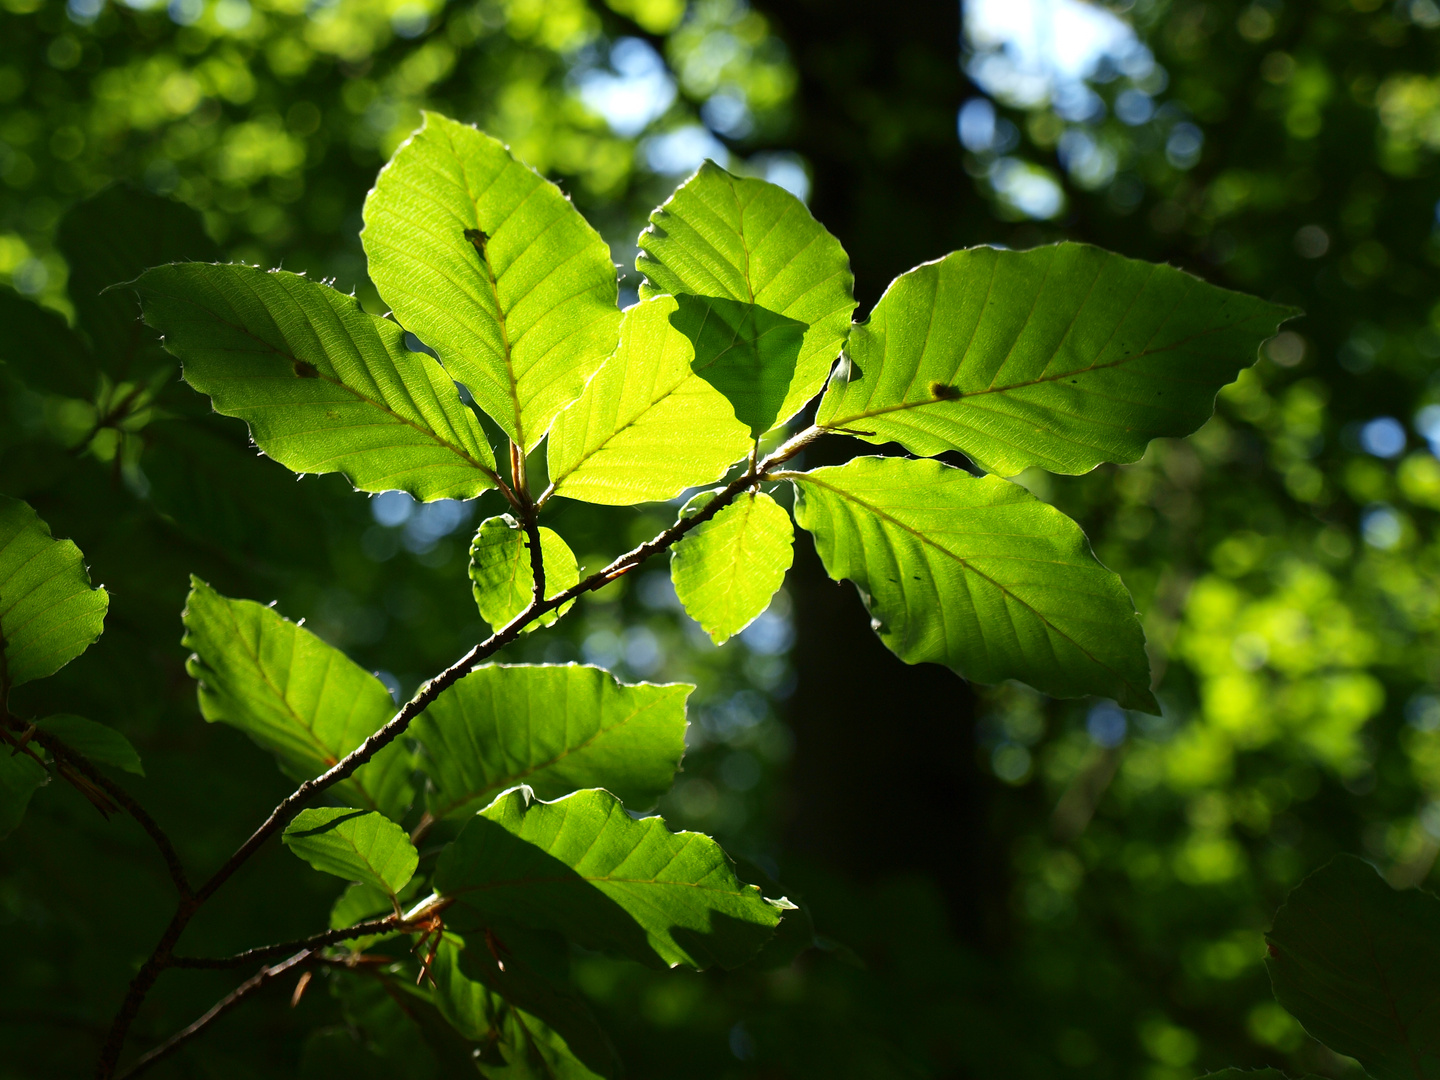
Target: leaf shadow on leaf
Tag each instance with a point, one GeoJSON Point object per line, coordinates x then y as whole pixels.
{"type": "Point", "coordinates": [745, 351]}
{"type": "Point", "coordinates": [331, 825]}
{"type": "Point", "coordinates": [518, 875]}
{"type": "Point", "coordinates": [516, 870]}
{"type": "Point", "coordinates": [520, 983]}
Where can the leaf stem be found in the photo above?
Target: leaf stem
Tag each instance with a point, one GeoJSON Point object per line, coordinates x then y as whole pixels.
{"type": "Point", "coordinates": [163, 957]}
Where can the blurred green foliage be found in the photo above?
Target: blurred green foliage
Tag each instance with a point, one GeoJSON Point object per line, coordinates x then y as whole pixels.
{"type": "Point", "coordinates": [1101, 911]}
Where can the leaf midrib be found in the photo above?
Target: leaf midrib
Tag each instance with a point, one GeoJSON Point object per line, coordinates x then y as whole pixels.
{"type": "Point", "coordinates": [808, 478]}
{"type": "Point", "coordinates": [509, 781]}
{"type": "Point", "coordinates": [365, 399]}
{"type": "Point", "coordinates": [327, 758]}
{"type": "Point", "coordinates": [1040, 381]}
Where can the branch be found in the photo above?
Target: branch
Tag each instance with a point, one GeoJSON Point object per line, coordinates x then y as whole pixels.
{"type": "Point", "coordinates": [530, 522]}
{"type": "Point", "coordinates": [67, 755]}
{"type": "Point", "coordinates": [161, 958]}
{"type": "Point", "coordinates": [316, 941]}
{"type": "Point", "coordinates": [219, 1009]}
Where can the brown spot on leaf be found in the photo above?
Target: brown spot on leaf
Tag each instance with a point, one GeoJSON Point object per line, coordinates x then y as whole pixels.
{"type": "Point", "coordinates": [941, 392]}
{"type": "Point", "coordinates": [304, 370]}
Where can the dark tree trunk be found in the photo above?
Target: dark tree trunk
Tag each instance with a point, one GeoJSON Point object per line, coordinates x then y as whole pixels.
{"type": "Point", "coordinates": [884, 779]}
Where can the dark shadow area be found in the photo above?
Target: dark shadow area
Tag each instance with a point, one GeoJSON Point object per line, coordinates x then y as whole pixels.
{"type": "Point", "coordinates": [745, 351]}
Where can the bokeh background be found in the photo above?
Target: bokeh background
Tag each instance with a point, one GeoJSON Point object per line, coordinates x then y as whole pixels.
{"type": "Point", "coordinates": [999, 884]}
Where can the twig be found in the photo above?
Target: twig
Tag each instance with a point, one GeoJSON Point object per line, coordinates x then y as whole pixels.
{"type": "Point", "coordinates": [81, 764]}
{"type": "Point", "coordinates": [162, 957]}
{"type": "Point", "coordinates": [317, 941]}
{"type": "Point", "coordinates": [219, 1009]}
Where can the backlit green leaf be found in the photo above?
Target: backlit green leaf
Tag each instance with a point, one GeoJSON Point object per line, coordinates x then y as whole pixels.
{"type": "Point", "coordinates": [977, 574]}
{"type": "Point", "coordinates": [556, 728]}
{"type": "Point", "coordinates": [503, 578]}
{"type": "Point", "coordinates": [301, 699]}
{"type": "Point", "coordinates": [20, 775]}
{"type": "Point", "coordinates": [1355, 962]}
{"type": "Point", "coordinates": [490, 265]}
{"type": "Point", "coordinates": [744, 243]}
{"type": "Point", "coordinates": [581, 866]}
{"type": "Point", "coordinates": [49, 614]}
{"type": "Point", "coordinates": [356, 845]}
{"type": "Point", "coordinates": [647, 427]}
{"type": "Point", "coordinates": [727, 570]}
{"type": "Point", "coordinates": [1062, 356]}
{"type": "Point", "coordinates": [101, 744]}
{"type": "Point", "coordinates": [324, 386]}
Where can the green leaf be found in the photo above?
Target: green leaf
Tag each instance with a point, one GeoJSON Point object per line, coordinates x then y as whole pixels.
{"type": "Point", "coordinates": [324, 386]}
{"type": "Point", "coordinates": [977, 574]}
{"type": "Point", "coordinates": [1358, 964]}
{"type": "Point", "coordinates": [49, 614]}
{"type": "Point", "coordinates": [20, 775]}
{"type": "Point", "coordinates": [581, 866]}
{"type": "Point", "coordinates": [101, 744]}
{"type": "Point", "coordinates": [355, 845]}
{"type": "Point", "coordinates": [113, 237]}
{"type": "Point", "coordinates": [1062, 356]}
{"type": "Point", "coordinates": [292, 694]}
{"type": "Point", "coordinates": [727, 570]}
{"type": "Point", "coordinates": [41, 350]}
{"type": "Point", "coordinates": [490, 265]}
{"type": "Point", "coordinates": [754, 244]}
{"type": "Point", "coordinates": [541, 1030]}
{"type": "Point", "coordinates": [503, 579]}
{"type": "Point", "coordinates": [557, 729]}
{"type": "Point", "coordinates": [746, 352]}
{"type": "Point", "coordinates": [647, 427]}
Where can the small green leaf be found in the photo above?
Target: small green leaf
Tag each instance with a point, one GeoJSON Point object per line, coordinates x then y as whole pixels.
{"type": "Point", "coordinates": [1063, 357]}
{"type": "Point", "coordinates": [324, 386]}
{"type": "Point", "coordinates": [292, 694]}
{"type": "Point", "coordinates": [49, 614]}
{"type": "Point", "coordinates": [647, 427]}
{"type": "Point", "coordinates": [727, 570]}
{"type": "Point", "coordinates": [1356, 963]}
{"type": "Point", "coordinates": [360, 902]}
{"type": "Point", "coordinates": [744, 351]}
{"type": "Point", "coordinates": [113, 237]}
{"type": "Point", "coordinates": [102, 745]}
{"type": "Point", "coordinates": [754, 244]}
{"type": "Point", "coordinates": [537, 1025]}
{"type": "Point", "coordinates": [490, 265]}
{"type": "Point", "coordinates": [556, 728]}
{"type": "Point", "coordinates": [582, 867]}
{"type": "Point", "coordinates": [20, 775]}
{"type": "Point", "coordinates": [977, 574]}
{"type": "Point", "coordinates": [503, 578]}
{"type": "Point", "coordinates": [355, 845]}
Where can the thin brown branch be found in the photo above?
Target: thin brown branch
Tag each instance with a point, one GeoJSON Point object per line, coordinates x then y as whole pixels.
{"type": "Point", "coordinates": [316, 941]}
{"type": "Point", "coordinates": [81, 764]}
{"type": "Point", "coordinates": [162, 957]}
{"type": "Point", "coordinates": [219, 1009]}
